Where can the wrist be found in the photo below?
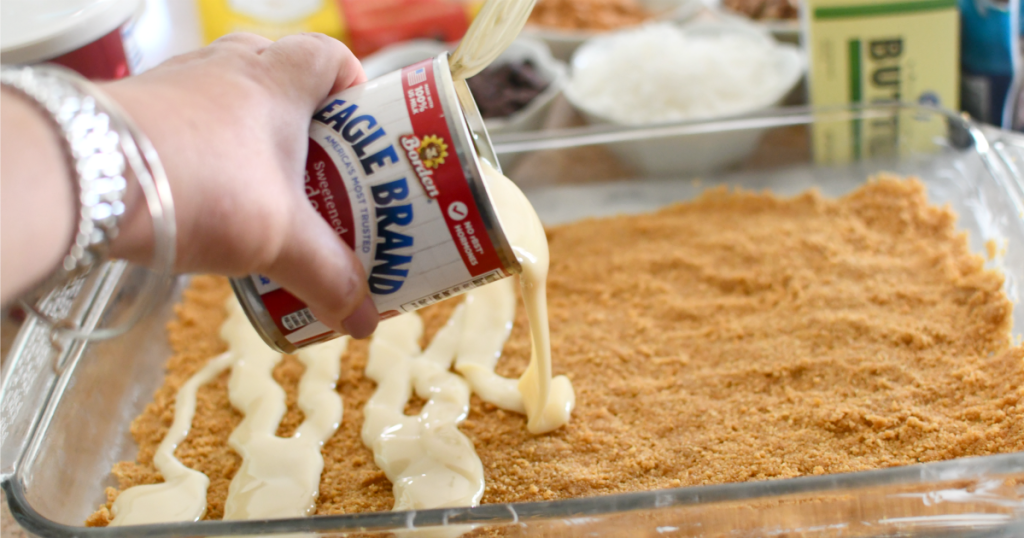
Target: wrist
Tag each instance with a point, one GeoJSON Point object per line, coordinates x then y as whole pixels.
{"type": "Point", "coordinates": [38, 214]}
{"type": "Point", "coordinates": [101, 154]}
{"type": "Point", "coordinates": [134, 241]}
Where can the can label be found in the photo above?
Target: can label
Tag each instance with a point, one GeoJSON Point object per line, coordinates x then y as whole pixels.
{"type": "Point", "coordinates": [384, 171]}
{"type": "Point", "coordinates": [110, 57]}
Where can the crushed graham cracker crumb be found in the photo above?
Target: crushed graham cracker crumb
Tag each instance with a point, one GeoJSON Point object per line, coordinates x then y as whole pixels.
{"type": "Point", "coordinates": [736, 337]}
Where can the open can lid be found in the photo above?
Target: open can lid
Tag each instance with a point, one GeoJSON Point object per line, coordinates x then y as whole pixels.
{"type": "Point", "coordinates": [33, 31]}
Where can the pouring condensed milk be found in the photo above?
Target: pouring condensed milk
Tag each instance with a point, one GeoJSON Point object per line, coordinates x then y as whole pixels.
{"type": "Point", "coordinates": [402, 168]}
{"type": "Point", "coordinates": [393, 167]}
{"type": "Point", "coordinates": [412, 192]}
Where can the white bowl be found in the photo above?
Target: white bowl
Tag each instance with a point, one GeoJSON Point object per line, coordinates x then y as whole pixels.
{"type": "Point", "coordinates": [676, 155]}
{"type": "Point", "coordinates": [564, 42]}
{"type": "Point", "coordinates": [529, 118]}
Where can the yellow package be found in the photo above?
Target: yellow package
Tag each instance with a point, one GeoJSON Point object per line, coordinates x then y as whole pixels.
{"type": "Point", "coordinates": [876, 52]}
{"type": "Point", "coordinates": [272, 19]}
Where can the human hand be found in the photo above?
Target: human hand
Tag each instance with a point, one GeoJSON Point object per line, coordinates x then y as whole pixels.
{"type": "Point", "coordinates": [230, 123]}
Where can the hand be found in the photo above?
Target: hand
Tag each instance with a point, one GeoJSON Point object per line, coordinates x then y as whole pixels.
{"type": "Point", "coordinates": [230, 124]}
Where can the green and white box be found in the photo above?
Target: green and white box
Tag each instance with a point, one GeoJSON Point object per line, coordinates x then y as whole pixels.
{"type": "Point", "coordinates": [876, 52]}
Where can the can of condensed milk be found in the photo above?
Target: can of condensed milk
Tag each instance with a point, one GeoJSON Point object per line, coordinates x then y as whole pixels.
{"type": "Point", "coordinates": [96, 38]}
{"type": "Point", "coordinates": [394, 168]}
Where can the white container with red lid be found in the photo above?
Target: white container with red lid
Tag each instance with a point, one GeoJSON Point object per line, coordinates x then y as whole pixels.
{"type": "Point", "coordinates": [93, 37]}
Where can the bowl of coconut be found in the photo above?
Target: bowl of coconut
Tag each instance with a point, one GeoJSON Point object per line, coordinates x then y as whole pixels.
{"type": "Point", "coordinates": [660, 74]}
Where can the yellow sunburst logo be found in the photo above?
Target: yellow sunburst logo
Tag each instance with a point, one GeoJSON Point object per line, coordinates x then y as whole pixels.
{"type": "Point", "coordinates": [433, 150]}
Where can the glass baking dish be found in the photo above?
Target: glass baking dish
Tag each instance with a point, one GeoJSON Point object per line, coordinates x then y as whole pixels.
{"type": "Point", "coordinates": [66, 413]}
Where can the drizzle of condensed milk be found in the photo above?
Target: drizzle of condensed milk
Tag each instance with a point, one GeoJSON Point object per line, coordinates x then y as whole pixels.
{"type": "Point", "coordinates": [279, 476]}
{"type": "Point", "coordinates": [430, 463]}
{"type": "Point", "coordinates": [490, 311]}
{"type": "Point", "coordinates": [182, 494]}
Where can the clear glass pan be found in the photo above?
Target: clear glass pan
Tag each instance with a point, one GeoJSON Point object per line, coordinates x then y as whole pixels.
{"type": "Point", "coordinates": [57, 461]}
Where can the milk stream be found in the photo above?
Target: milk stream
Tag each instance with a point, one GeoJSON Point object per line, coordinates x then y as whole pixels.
{"type": "Point", "coordinates": [548, 402]}
{"type": "Point", "coordinates": [492, 31]}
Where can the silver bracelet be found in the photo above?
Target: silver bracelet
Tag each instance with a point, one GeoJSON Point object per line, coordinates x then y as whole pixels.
{"type": "Point", "coordinates": [102, 145]}
{"type": "Point", "coordinates": [93, 155]}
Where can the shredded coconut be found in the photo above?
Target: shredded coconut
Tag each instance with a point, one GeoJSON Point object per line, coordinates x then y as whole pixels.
{"type": "Point", "coordinates": [660, 72]}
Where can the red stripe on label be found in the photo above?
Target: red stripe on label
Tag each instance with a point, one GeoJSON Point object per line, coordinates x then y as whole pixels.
{"type": "Point", "coordinates": [437, 153]}
{"type": "Point", "coordinates": [327, 193]}
{"type": "Point", "coordinates": [280, 303]}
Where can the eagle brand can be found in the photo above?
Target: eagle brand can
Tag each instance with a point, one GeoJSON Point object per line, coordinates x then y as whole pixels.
{"type": "Point", "coordinates": [393, 168]}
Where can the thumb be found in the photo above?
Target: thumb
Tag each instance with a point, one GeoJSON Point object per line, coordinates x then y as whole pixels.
{"type": "Point", "coordinates": [316, 266]}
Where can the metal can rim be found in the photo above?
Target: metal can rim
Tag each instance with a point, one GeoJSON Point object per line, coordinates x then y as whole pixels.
{"type": "Point", "coordinates": [470, 128]}
{"type": "Point", "coordinates": [260, 319]}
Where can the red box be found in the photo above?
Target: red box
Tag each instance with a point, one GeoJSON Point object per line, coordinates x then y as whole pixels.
{"type": "Point", "coordinates": [374, 24]}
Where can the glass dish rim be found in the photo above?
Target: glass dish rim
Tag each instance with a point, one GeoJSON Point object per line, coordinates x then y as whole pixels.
{"type": "Point", "coordinates": [584, 135]}
{"type": "Point", "coordinates": [497, 514]}
{"type": "Point", "coordinates": [513, 513]}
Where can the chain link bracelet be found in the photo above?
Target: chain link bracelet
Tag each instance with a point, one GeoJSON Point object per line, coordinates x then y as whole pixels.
{"type": "Point", "coordinates": [92, 149]}
{"type": "Point", "coordinates": [102, 147]}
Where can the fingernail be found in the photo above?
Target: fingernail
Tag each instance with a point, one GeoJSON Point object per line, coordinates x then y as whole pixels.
{"type": "Point", "coordinates": [363, 321]}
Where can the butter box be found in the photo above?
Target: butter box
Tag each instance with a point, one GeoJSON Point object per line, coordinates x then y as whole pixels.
{"type": "Point", "coordinates": [880, 51]}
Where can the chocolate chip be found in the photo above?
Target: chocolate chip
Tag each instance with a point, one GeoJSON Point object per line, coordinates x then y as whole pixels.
{"type": "Point", "coordinates": [504, 89]}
